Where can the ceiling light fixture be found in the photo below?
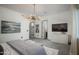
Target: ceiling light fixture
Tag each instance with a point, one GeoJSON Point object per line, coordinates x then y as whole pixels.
{"type": "Point", "coordinates": [33, 17]}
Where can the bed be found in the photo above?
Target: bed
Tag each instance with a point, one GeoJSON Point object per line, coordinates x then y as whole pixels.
{"type": "Point", "coordinates": [28, 47]}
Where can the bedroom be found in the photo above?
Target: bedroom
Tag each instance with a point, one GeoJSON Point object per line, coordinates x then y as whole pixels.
{"type": "Point", "coordinates": [15, 26]}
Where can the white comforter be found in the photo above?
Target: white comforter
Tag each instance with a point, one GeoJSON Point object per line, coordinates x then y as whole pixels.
{"type": "Point", "coordinates": [8, 50]}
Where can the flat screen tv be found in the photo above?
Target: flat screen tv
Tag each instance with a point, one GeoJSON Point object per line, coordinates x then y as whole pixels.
{"type": "Point", "coordinates": [62, 27]}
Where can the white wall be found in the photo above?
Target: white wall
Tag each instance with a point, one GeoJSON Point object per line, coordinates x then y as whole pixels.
{"type": "Point", "coordinates": [64, 17]}
{"type": "Point", "coordinates": [9, 15]}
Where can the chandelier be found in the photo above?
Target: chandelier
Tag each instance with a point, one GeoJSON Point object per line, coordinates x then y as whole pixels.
{"type": "Point", "coordinates": [33, 17]}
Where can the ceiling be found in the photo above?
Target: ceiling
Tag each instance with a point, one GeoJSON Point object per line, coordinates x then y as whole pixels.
{"type": "Point", "coordinates": [41, 9]}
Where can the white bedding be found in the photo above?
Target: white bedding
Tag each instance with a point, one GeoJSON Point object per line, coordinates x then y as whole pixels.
{"type": "Point", "coordinates": [8, 50]}
{"type": "Point", "coordinates": [49, 51]}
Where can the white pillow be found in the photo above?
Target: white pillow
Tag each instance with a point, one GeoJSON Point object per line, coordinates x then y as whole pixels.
{"type": "Point", "coordinates": [50, 51]}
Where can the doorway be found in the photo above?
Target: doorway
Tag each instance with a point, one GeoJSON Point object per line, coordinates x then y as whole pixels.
{"type": "Point", "coordinates": [44, 32]}
{"type": "Point", "coordinates": [32, 30]}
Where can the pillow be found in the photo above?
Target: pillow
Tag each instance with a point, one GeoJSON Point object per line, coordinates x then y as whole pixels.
{"type": "Point", "coordinates": [50, 51]}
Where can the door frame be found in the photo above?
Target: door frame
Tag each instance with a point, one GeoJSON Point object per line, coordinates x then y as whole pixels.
{"type": "Point", "coordinates": [42, 28]}
{"type": "Point", "coordinates": [30, 29]}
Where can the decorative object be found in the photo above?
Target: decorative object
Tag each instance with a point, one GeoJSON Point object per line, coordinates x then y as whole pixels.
{"type": "Point", "coordinates": [10, 27]}
{"type": "Point", "coordinates": [62, 27]}
{"type": "Point", "coordinates": [34, 16]}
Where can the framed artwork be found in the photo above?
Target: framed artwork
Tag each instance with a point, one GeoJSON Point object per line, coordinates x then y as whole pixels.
{"type": "Point", "coordinates": [10, 27]}
{"type": "Point", "coordinates": [62, 27]}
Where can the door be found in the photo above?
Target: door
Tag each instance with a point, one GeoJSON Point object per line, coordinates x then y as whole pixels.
{"type": "Point", "coordinates": [44, 29]}
{"type": "Point", "coordinates": [32, 30]}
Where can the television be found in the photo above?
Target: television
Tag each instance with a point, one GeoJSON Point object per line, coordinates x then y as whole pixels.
{"type": "Point", "coordinates": [62, 27]}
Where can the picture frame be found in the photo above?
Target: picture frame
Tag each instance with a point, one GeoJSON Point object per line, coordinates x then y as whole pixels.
{"type": "Point", "coordinates": [10, 27]}
{"type": "Point", "coordinates": [61, 27]}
